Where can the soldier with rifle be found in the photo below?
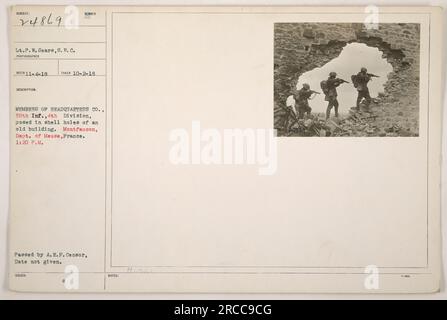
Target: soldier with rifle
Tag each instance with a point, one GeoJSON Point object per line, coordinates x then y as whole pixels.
{"type": "Point", "coordinates": [361, 84]}
{"type": "Point", "coordinates": [302, 98]}
{"type": "Point", "coordinates": [329, 87]}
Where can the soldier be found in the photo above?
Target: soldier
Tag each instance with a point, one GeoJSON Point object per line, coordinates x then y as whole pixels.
{"type": "Point", "coordinates": [302, 97]}
{"type": "Point", "coordinates": [362, 78]}
{"type": "Point", "coordinates": [330, 90]}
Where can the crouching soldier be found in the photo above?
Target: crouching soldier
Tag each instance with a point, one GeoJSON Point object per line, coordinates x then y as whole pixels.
{"type": "Point", "coordinates": [302, 98]}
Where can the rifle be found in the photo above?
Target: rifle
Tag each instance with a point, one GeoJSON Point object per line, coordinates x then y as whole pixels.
{"type": "Point", "coordinates": [373, 75]}
{"type": "Point", "coordinates": [342, 81]}
{"type": "Point", "coordinates": [315, 92]}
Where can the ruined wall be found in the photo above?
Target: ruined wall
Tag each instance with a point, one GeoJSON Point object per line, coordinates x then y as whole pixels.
{"type": "Point", "coordinates": [301, 47]}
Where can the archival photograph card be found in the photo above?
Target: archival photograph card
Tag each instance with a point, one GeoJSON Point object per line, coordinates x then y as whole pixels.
{"type": "Point", "coordinates": [225, 149]}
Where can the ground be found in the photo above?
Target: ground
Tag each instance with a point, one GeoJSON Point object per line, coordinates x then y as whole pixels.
{"type": "Point", "coordinates": [386, 117]}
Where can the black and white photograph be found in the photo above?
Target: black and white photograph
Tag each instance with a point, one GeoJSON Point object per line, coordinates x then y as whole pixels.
{"type": "Point", "coordinates": [346, 79]}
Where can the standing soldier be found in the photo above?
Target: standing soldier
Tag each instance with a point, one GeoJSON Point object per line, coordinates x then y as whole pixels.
{"type": "Point", "coordinates": [302, 97]}
{"type": "Point", "coordinates": [330, 90]}
{"type": "Point", "coordinates": [361, 83]}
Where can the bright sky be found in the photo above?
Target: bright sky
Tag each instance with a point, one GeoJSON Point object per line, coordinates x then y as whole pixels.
{"type": "Point", "coordinates": [352, 58]}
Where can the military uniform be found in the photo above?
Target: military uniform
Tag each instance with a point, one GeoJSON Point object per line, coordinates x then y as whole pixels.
{"type": "Point", "coordinates": [301, 101]}
{"type": "Point", "coordinates": [331, 95]}
{"type": "Point", "coordinates": [362, 80]}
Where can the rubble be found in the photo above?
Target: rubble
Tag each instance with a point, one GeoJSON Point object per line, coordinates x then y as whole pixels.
{"type": "Point", "coordinates": [310, 126]}
{"type": "Point", "coordinates": [366, 122]}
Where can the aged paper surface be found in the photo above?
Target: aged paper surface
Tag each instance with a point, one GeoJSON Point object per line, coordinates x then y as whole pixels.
{"type": "Point", "coordinates": [144, 156]}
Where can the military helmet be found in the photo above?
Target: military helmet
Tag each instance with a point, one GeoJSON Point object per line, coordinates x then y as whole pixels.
{"type": "Point", "coordinates": [332, 74]}
{"type": "Point", "coordinates": [306, 86]}
{"type": "Point", "coordinates": [364, 69]}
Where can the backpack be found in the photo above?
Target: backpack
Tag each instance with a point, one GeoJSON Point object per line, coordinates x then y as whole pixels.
{"type": "Point", "coordinates": [323, 85]}
{"type": "Point", "coordinates": [354, 80]}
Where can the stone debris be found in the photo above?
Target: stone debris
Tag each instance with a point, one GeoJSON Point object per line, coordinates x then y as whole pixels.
{"type": "Point", "coordinates": [311, 126]}
{"type": "Point", "coordinates": [358, 123]}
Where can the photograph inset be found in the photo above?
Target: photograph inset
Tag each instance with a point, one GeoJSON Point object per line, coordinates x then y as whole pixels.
{"type": "Point", "coordinates": [342, 79]}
